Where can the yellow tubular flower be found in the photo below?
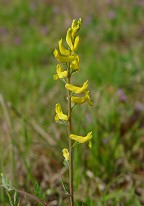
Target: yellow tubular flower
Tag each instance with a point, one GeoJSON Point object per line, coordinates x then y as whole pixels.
{"type": "Point", "coordinates": [62, 49]}
{"type": "Point", "coordinates": [76, 26]}
{"type": "Point", "coordinates": [81, 100]}
{"type": "Point", "coordinates": [76, 89]}
{"type": "Point", "coordinates": [81, 139]}
{"type": "Point", "coordinates": [66, 154]}
{"type": "Point", "coordinates": [77, 100]}
{"type": "Point", "coordinates": [87, 98]}
{"type": "Point", "coordinates": [60, 73]}
{"type": "Point", "coordinates": [69, 39]}
{"type": "Point", "coordinates": [76, 43]}
{"type": "Point", "coordinates": [56, 77]}
{"type": "Point", "coordinates": [63, 59]}
{"type": "Point", "coordinates": [75, 65]}
{"type": "Point", "coordinates": [57, 118]}
{"type": "Point", "coordinates": [59, 113]}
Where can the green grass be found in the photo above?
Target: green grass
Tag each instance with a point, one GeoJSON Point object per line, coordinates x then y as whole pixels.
{"type": "Point", "coordinates": [111, 59]}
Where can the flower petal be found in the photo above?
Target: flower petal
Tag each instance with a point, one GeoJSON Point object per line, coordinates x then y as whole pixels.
{"type": "Point", "coordinates": [81, 100]}
{"type": "Point", "coordinates": [76, 26]}
{"type": "Point", "coordinates": [55, 77]}
{"type": "Point", "coordinates": [69, 39]}
{"type": "Point", "coordinates": [81, 139]}
{"type": "Point", "coordinates": [62, 49]}
{"type": "Point", "coordinates": [61, 73]}
{"type": "Point", "coordinates": [87, 98]}
{"type": "Point", "coordinates": [63, 59]}
{"type": "Point", "coordinates": [75, 65]}
{"type": "Point", "coordinates": [76, 43]}
{"type": "Point", "coordinates": [57, 118]}
{"type": "Point", "coordinates": [66, 154]}
{"type": "Point", "coordinates": [77, 100]}
{"type": "Point", "coordinates": [59, 113]}
{"type": "Point", "coordinates": [76, 89]}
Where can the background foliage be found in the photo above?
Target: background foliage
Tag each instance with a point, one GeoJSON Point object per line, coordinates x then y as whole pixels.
{"type": "Point", "coordinates": [112, 58]}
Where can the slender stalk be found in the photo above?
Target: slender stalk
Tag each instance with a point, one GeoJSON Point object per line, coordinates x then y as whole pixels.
{"type": "Point", "coordinates": [70, 142]}
{"type": "Point", "coordinates": [31, 197]}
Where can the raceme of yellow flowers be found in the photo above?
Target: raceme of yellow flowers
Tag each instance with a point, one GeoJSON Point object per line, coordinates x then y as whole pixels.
{"type": "Point", "coordinates": [67, 57]}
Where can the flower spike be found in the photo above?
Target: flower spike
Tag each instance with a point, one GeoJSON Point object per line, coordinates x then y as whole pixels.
{"type": "Point", "coordinates": [69, 60]}
{"type": "Point", "coordinates": [76, 89]}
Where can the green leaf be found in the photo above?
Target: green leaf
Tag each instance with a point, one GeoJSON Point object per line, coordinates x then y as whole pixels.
{"type": "Point", "coordinates": [6, 183]}
{"type": "Point", "coordinates": [15, 197]}
{"type": "Point", "coordinates": [66, 163]}
{"type": "Point", "coordinates": [64, 187]}
{"type": "Point", "coordinates": [10, 199]}
{"type": "Point", "coordinates": [38, 191]}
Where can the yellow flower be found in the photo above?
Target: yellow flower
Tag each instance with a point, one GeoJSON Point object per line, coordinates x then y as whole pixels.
{"type": "Point", "coordinates": [75, 65]}
{"type": "Point", "coordinates": [87, 98]}
{"type": "Point", "coordinates": [59, 113]}
{"type": "Point", "coordinates": [82, 139]}
{"type": "Point", "coordinates": [69, 39]}
{"type": "Point", "coordinates": [76, 89]}
{"type": "Point", "coordinates": [66, 154]}
{"type": "Point", "coordinates": [76, 26]}
{"type": "Point", "coordinates": [76, 43]}
{"type": "Point", "coordinates": [63, 59]}
{"type": "Point", "coordinates": [60, 73]}
{"type": "Point", "coordinates": [81, 100]}
{"type": "Point", "coordinates": [62, 49]}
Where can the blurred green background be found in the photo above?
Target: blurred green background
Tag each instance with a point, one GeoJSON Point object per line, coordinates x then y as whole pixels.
{"type": "Point", "coordinates": [112, 59]}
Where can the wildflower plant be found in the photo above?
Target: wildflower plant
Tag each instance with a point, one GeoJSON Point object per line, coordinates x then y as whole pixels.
{"type": "Point", "coordinates": [69, 64]}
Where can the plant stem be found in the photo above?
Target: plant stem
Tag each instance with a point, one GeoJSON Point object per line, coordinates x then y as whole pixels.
{"type": "Point", "coordinates": [70, 143]}
{"type": "Point", "coordinates": [31, 196]}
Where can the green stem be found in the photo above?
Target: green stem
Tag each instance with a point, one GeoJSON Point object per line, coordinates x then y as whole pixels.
{"type": "Point", "coordinates": [70, 142]}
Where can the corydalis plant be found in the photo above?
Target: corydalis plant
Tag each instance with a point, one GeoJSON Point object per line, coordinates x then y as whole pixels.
{"type": "Point", "coordinates": [69, 64]}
